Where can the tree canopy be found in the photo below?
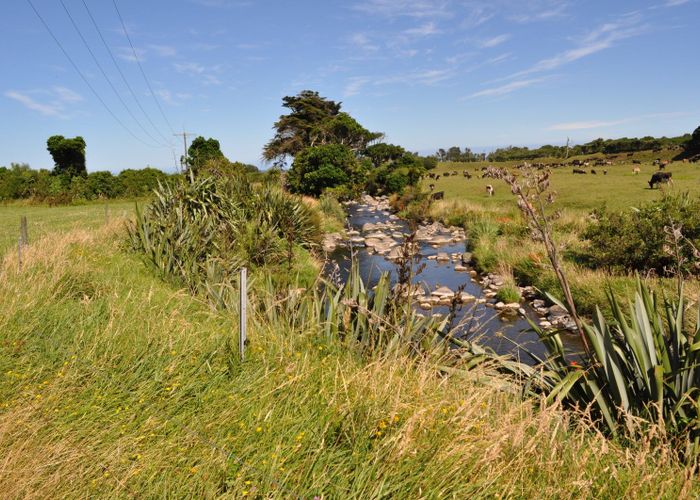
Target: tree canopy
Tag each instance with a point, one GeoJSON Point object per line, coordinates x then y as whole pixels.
{"type": "Point", "coordinates": [321, 167]}
{"type": "Point", "coordinates": [201, 151]}
{"type": "Point", "coordinates": [68, 155]}
{"type": "Point", "coordinates": [314, 121]}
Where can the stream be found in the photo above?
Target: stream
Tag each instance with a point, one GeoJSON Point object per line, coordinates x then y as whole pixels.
{"type": "Point", "coordinates": [375, 236]}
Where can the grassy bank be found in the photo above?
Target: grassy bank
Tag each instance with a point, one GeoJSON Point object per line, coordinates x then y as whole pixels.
{"type": "Point", "coordinates": [500, 241]}
{"type": "Point", "coordinates": [43, 219]}
{"type": "Point", "coordinates": [115, 383]}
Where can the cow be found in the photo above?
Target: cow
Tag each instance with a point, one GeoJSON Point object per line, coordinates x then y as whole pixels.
{"type": "Point", "coordinates": [489, 190]}
{"type": "Point", "coordinates": [637, 162]}
{"type": "Point", "coordinates": [636, 170]}
{"type": "Point", "coordinates": [660, 178]}
{"type": "Point", "coordinates": [579, 171]}
{"type": "Point", "coordinates": [440, 195]}
{"type": "Point", "coordinates": [432, 187]}
{"type": "Point", "coordinates": [593, 172]}
{"type": "Point", "coordinates": [467, 174]}
{"type": "Point", "coordinates": [446, 174]}
{"type": "Point", "coordinates": [605, 172]}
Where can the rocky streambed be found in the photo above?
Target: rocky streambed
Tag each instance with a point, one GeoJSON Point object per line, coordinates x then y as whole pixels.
{"type": "Point", "coordinates": [375, 237]}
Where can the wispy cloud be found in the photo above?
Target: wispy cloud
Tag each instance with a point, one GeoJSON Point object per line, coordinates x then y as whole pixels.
{"type": "Point", "coordinates": [54, 105]}
{"type": "Point", "coordinates": [493, 41]}
{"type": "Point", "coordinates": [601, 38]}
{"type": "Point", "coordinates": [426, 29]}
{"type": "Point", "coordinates": [354, 85]}
{"type": "Point", "coordinates": [208, 75]}
{"type": "Point", "coordinates": [362, 41]}
{"type": "Point", "coordinates": [164, 50]}
{"type": "Point", "coordinates": [675, 3]}
{"type": "Point", "coordinates": [126, 54]}
{"type": "Point", "coordinates": [596, 124]}
{"type": "Point", "coordinates": [553, 11]}
{"type": "Point", "coordinates": [405, 8]}
{"type": "Point", "coordinates": [507, 88]}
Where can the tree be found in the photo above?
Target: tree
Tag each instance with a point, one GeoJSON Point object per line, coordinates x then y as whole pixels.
{"type": "Point", "coordinates": [68, 155]}
{"type": "Point", "coordinates": [201, 151]}
{"type": "Point", "coordinates": [322, 167]}
{"type": "Point", "coordinates": [382, 152]}
{"type": "Point", "coordinates": [694, 144]}
{"type": "Point", "coordinates": [314, 121]}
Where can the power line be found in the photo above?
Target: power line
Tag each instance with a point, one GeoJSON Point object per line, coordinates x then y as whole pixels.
{"type": "Point", "coordinates": [143, 73]}
{"type": "Point", "coordinates": [82, 76]}
{"type": "Point", "coordinates": [121, 73]}
{"type": "Point", "coordinates": [104, 74]}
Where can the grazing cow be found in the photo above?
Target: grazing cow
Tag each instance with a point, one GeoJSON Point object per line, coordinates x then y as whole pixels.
{"type": "Point", "coordinates": [637, 162]}
{"type": "Point", "coordinates": [657, 161]}
{"type": "Point", "coordinates": [660, 178]}
{"type": "Point", "coordinates": [579, 171]}
{"type": "Point", "coordinates": [593, 172]}
{"type": "Point", "coordinates": [446, 174]}
{"type": "Point", "coordinates": [432, 187]}
{"type": "Point", "coordinates": [467, 174]}
{"type": "Point", "coordinates": [630, 154]}
{"type": "Point", "coordinates": [440, 195]}
{"type": "Point", "coordinates": [636, 170]}
{"type": "Point", "coordinates": [605, 172]}
{"type": "Point", "coordinates": [489, 190]}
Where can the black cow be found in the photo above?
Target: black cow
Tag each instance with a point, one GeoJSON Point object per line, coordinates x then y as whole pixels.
{"type": "Point", "coordinates": [660, 178]}
{"type": "Point", "coordinates": [440, 195]}
{"type": "Point", "coordinates": [579, 171]}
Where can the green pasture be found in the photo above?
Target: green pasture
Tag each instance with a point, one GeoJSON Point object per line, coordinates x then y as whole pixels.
{"type": "Point", "coordinates": [619, 189]}
{"type": "Point", "coordinates": [43, 219]}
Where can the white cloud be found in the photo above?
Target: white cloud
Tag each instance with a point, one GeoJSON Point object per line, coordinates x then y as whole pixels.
{"type": "Point", "coordinates": [493, 41]}
{"type": "Point", "coordinates": [585, 125]}
{"type": "Point", "coordinates": [552, 11]}
{"type": "Point", "coordinates": [206, 74]}
{"type": "Point", "coordinates": [164, 50]}
{"type": "Point", "coordinates": [58, 98]}
{"type": "Point", "coordinates": [426, 29]}
{"type": "Point", "coordinates": [405, 8]}
{"type": "Point", "coordinates": [362, 41]}
{"type": "Point", "coordinates": [45, 109]}
{"type": "Point", "coordinates": [127, 54]}
{"type": "Point", "coordinates": [354, 85]}
{"type": "Point", "coordinates": [675, 3]}
{"type": "Point", "coordinates": [67, 95]}
{"type": "Point", "coordinates": [507, 88]}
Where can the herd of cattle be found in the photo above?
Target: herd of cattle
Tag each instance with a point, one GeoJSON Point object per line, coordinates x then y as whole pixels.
{"type": "Point", "coordinates": [580, 167]}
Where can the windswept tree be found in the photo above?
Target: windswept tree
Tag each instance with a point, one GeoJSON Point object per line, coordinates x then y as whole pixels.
{"type": "Point", "coordinates": [314, 121]}
{"type": "Point", "coordinates": [68, 155]}
{"type": "Point", "coordinates": [694, 144]}
{"type": "Point", "coordinates": [201, 151]}
{"type": "Point", "coordinates": [322, 167]}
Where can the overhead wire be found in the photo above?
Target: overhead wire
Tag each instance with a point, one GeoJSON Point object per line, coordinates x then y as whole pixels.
{"type": "Point", "coordinates": [82, 76]}
{"type": "Point", "coordinates": [106, 77]}
{"type": "Point", "coordinates": [143, 73]}
{"type": "Point", "coordinates": [123, 77]}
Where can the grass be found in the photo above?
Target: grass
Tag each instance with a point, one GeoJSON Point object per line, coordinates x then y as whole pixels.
{"type": "Point", "coordinates": [116, 384]}
{"type": "Point", "coordinates": [619, 189]}
{"type": "Point", "coordinates": [500, 241]}
{"type": "Point", "coordinates": [42, 219]}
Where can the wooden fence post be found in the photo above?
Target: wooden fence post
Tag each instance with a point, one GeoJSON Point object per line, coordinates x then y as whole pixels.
{"type": "Point", "coordinates": [24, 230]}
{"type": "Point", "coordinates": [242, 334]}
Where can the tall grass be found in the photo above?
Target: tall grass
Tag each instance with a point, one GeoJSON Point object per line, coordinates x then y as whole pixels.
{"type": "Point", "coordinates": [114, 383]}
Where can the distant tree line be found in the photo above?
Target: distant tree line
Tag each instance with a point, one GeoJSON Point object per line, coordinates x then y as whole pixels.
{"type": "Point", "coordinates": [331, 152]}
{"type": "Point", "coordinates": [682, 143]}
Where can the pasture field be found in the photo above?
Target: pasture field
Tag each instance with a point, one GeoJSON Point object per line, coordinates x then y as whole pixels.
{"type": "Point", "coordinates": [619, 189]}
{"type": "Point", "coordinates": [114, 383]}
{"type": "Point", "coordinates": [42, 219]}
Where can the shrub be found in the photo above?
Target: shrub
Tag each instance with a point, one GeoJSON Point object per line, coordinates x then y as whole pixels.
{"type": "Point", "coordinates": [636, 240]}
{"type": "Point", "coordinates": [508, 293]}
{"type": "Point", "coordinates": [321, 167]}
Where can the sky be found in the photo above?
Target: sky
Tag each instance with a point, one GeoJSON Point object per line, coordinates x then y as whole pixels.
{"type": "Point", "coordinates": [427, 73]}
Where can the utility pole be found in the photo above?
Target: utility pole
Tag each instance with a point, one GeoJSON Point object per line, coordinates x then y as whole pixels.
{"type": "Point", "coordinates": [184, 140]}
{"type": "Point", "coordinates": [567, 149]}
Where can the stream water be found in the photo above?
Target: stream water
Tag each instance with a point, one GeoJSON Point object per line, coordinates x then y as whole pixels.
{"type": "Point", "coordinates": [504, 332]}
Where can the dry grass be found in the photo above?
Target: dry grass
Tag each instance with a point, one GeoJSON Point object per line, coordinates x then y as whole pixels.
{"type": "Point", "coordinates": [115, 384]}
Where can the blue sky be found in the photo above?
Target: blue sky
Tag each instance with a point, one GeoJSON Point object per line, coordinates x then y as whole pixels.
{"type": "Point", "coordinates": [428, 73]}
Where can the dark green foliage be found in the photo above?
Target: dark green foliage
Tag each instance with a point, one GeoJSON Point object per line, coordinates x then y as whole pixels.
{"type": "Point", "coordinates": [321, 167]}
{"type": "Point", "coordinates": [200, 230]}
{"type": "Point", "coordinates": [313, 121]}
{"type": "Point", "coordinates": [68, 155]}
{"type": "Point", "coordinates": [201, 151]}
{"type": "Point", "coordinates": [455, 154]}
{"type": "Point", "coordinates": [381, 153]}
{"type": "Point", "coordinates": [635, 240]}
{"type": "Point", "coordinates": [136, 183]}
